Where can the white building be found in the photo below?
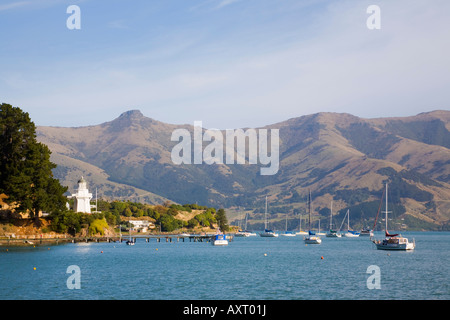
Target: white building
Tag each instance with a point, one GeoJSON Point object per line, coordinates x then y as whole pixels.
{"type": "Point", "coordinates": [82, 199]}
{"type": "Point", "coordinates": [140, 225]}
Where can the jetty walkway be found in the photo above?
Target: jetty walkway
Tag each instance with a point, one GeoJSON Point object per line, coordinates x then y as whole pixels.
{"type": "Point", "coordinates": [37, 240]}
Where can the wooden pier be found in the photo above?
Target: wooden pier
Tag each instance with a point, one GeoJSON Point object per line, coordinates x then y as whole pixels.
{"type": "Point", "coordinates": [157, 237]}
{"type": "Point", "coordinates": [175, 237]}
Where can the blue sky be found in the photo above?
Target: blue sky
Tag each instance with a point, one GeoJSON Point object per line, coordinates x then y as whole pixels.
{"type": "Point", "coordinates": [227, 63]}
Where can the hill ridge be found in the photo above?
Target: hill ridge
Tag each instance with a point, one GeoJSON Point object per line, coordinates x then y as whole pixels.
{"type": "Point", "coordinates": [332, 153]}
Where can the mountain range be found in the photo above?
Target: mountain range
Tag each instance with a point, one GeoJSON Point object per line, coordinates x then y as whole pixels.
{"type": "Point", "coordinates": [340, 157]}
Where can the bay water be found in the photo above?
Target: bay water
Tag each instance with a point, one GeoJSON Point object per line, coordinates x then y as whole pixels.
{"type": "Point", "coordinates": [252, 268]}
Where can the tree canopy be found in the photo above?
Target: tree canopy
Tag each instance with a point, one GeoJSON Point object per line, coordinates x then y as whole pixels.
{"type": "Point", "coordinates": [25, 168]}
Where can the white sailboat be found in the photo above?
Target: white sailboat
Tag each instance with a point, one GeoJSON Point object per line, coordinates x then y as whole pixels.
{"type": "Point", "coordinates": [300, 226]}
{"type": "Point", "coordinates": [332, 233]}
{"type": "Point", "coordinates": [393, 241]}
{"type": "Point", "coordinates": [286, 232]}
{"type": "Point", "coordinates": [318, 232]}
{"type": "Point", "coordinates": [350, 233]}
{"type": "Point", "coordinates": [245, 232]}
{"type": "Point", "coordinates": [311, 238]}
{"type": "Point", "coordinates": [267, 232]}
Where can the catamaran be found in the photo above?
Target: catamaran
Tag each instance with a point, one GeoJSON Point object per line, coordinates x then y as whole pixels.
{"type": "Point", "coordinates": [267, 232]}
{"type": "Point", "coordinates": [332, 233]}
{"type": "Point", "coordinates": [392, 241]}
{"type": "Point", "coordinates": [311, 238]}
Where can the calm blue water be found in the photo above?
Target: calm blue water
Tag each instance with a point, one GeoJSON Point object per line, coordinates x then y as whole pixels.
{"type": "Point", "coordinates": [240, 271]}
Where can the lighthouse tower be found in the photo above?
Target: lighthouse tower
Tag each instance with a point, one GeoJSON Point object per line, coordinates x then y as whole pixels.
{"type": "Point", "coordinates": [82, 199]}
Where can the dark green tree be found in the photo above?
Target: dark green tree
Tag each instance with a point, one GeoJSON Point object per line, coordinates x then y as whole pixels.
{"type": "Point", "coordinates": [169, 223]}
{"type": "Point", "coordinates": [25, 168]}
{"type": "Point", "coordinates": [222, 220]}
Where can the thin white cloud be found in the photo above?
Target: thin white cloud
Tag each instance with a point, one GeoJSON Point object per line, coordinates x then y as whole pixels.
{"type": "Point", "coordinates": [212, 5]}
{"type": "Point", "coordinates": [225, 3]}
{"type": "Point", "coordinates": [118, 24]}
{"type": "Point", "coordinates": [13, 5]}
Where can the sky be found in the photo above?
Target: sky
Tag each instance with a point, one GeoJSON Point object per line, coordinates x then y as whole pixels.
{"type": "Point", "coordinates": [227, 63]}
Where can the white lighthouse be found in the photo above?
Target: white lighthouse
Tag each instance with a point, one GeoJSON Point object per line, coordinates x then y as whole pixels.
{"type": "Point", "coordinates": [82, 199]}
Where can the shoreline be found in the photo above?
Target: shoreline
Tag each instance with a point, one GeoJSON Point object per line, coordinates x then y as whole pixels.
{"type": "Point", "coordinates": [48, 241]}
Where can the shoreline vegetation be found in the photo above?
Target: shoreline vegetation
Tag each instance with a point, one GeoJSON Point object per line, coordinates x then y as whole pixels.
{"type": "Point", "coordinates": [162, 220]}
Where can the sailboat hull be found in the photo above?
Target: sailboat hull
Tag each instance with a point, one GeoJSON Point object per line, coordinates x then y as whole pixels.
{"type": "Point", "coordinates": [333, 235]}
{"type": "Point", "coordinates": [288, 234]}
{"type": "Point", "coordinates": [268, 235]}
{"type": "Point", "coordinates": [351, 235]}
{"type": "Point", "coordinates": [394, 244]}
{"type": "Point", "coordinates": [313, 240]}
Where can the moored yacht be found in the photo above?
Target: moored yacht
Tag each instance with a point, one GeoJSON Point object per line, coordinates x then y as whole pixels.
{"type": "Point", "coordinates": [300, 226]}
{"type": "Point", "coordinates": [267, 232]}
{"type": "Point", "coordinates": [332, 233]}
{"type": "Point", "coordinates": [287, 233]}
{"type": "Point", "coordinates": [393, 241]}
{"type": "Point", "coordinates": [366, 232]}
{"type": "Point", "coordinates": [350, 233]}
{"type": "Point", "coordinates": [311, 238]}
{"type": "Point", "coordinates": [219, 239]}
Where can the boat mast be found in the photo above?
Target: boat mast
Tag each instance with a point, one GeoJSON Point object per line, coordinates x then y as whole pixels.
{"type": "Point", "coordinates": [386, 206]}
{"type": "Point", "coordinates": [348, 220]}
{"type": "Point", "coordinates": [265, 216]}
{"type": "Point", "coordinates": [246, 220]}
{"type": "Point", "coordinates": [309, 209]}
{"type": "Point", "coordinates": [331, 215]}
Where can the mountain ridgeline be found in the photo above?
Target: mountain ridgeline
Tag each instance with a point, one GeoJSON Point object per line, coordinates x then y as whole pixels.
{"type": "Point", "coordinates": [340, 157]}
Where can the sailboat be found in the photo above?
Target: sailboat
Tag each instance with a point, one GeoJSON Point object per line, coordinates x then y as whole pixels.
{"type": "Point", "coordinates": [267, 232]}
{"type": "Point", "coordinates": [392, 241]}
{"type": "Point", "coordinates": [130, 242]}
{"type": "Point", "coordinates": [366, 231]}
{"type": "Point", "coordinates": [287, 233]}
{"type": "Point", "coordinates": [332, 233]}
{"type": "Point", "coordinates": [318, 232]}
{"type": "Point", "coordinates": [245, 233]}
{"type": "Point", "coordinates": [350, 233]}
{"type": "Point", "coordinates": [300, 226]}
{"type": "Point", "coordinates": [311, 238]}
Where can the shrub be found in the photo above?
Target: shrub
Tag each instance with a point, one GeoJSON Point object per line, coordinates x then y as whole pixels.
{"type": "Point", "coordinates": [98, 226]}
